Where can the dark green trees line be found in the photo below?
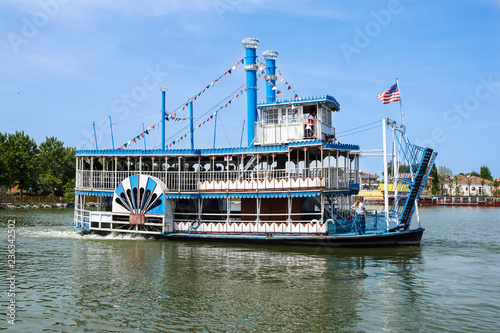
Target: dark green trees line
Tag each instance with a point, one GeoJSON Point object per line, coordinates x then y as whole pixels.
{"type": "Point", "coordinates": [45, 169]}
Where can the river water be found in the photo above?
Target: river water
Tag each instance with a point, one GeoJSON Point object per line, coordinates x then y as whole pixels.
{"type": "Point", "coordinates": [66, 282]}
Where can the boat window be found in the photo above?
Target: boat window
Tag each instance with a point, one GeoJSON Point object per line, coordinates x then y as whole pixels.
{"type": "Point", "coordinates": [270, 116]}
{"type": "Point", "coordinates": [326, 116]}
{"type": "Point", "coordinates": [235, 205]}
{"type": "Point", "coordinates": [290, 115]}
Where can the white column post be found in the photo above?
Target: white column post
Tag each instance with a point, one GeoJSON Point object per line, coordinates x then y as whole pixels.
{"type": "Point", "coordinates": [92, 172]}
{"type": "Point", "coordinates": [386, 176]}
{"type": "Point", "coordinates": [179, 173]}
{"type": "Point", "coordinates": [337, 170]}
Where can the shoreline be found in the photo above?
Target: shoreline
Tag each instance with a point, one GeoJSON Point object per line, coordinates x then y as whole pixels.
{"type": "Point", "coordinates": [42, 205]}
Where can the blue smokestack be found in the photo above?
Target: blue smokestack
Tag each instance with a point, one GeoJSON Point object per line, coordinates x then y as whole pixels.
{"type": "Point", "coordinates": [270, 56]}
{"type": "Point", "coordinates": [250, 45]}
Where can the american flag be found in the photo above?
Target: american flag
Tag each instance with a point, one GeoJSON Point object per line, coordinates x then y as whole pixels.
{"type": "Point", "coordinates": [390, 95]}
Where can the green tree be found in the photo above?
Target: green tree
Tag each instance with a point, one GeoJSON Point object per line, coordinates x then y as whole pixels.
{"type": "Point", "coordinates": [485, 173]}
{"type": "Point", "coordinates": [49, 184]}
{"type": "Point", "coordinates": [57, 165]}
{"type": "Point", "coordinates": [444, 175]}
{"type": "Point", "coordinates": [435, 180]}
{"type": "Point", "coordinates": [69, 191]}
{"type": "Point", "coordinates": [469, 181]}
{"type": "Point", "coordinates": [495, 185]}
{"type": "Point", "coordinates": [458, 188]}
{"type": "Point", "coordinates": [19, 155]}
{"type": "Point", "coordinates": [5, 176]}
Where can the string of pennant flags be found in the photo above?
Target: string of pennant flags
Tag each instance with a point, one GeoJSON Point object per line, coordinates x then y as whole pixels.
{"type": "Point", "coordinates": [174, 117]}
{"type": "Point", "coordinates": [281, 78]}
{"type": "Point", "coordinates": [173, 114]}
{"type": "Point", "coordinates": [287, 86]}
{"type": "Point", "coordinates": [202, 120]}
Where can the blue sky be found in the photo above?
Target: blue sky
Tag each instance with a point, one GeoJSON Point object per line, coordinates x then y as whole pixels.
{"type": "Point", "coordinates": [68, 63]}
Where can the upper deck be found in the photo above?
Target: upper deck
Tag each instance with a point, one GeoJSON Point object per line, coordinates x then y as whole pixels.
{"type": "Point", "coordinates": [282, 122]}
{"type": "Point", "coordinates": [297, 166]}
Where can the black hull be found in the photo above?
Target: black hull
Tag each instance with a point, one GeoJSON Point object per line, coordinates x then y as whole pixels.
{"type": "Point", "coordinates": [386, 239]}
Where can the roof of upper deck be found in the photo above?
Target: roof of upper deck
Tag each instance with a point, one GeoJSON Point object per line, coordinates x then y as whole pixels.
{"type": "Point", "coordinates": [327, 100]}
{"type": "Point", "coordinates": [218, 151]}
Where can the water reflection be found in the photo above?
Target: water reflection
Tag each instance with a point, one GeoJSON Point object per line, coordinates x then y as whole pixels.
{"type": "Point", "coordinates": [161, 285]}
{"type": "Point", "coordinates": [71, 283]}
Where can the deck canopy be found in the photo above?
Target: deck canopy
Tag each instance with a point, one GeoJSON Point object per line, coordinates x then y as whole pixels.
{"type": "Point", "coordinates": [217, 151]}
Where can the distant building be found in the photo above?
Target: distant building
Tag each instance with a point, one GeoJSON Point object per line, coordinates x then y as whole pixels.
{"type": "Point", "coordinates": [469, 186]}
{"type": "Point", "coordinates": [368, 181]}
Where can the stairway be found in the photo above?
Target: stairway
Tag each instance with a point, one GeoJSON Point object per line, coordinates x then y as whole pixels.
{"type": "Point", "coordinates": [250, 163]}
{"type": "Point", "coordinates": [404, 223]}
{"type": "Point", "coordinates": [247, 166]}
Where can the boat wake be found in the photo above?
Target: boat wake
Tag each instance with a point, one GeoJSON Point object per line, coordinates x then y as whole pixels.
{"type": "Point", "coordinates": [65, 233]}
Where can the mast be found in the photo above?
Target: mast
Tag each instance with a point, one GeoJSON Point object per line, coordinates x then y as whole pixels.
{"type": "Point", "coordinates": [111, 128]}
{"type": "Point", "coordinates": [95, 136]}
{"type": "Point", "coordinates": [191, 123]}
{"type": "Point", "coordinates": [163, 90]}
{"type": "Point", "coordinates": [215, 127]}
{"type": "Point", "coordinates": [395, 167]}
{"type": "Point", "coordinates": [242, 130]}
{"type": "Point", "coordinates": [401, 107]}
{"type": "Point", "coordinates": [408, 144]}
{"type": "Point", "coordinates": [386, 176]}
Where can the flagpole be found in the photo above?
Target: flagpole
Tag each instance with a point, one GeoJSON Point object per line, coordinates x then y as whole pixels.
{"type": "Point", "coordinates": [407, 142]}
{"type": "Point", "coordinates": [111, 128]}
{"type": "Point", "coordinates": [242, 130]}
{"type": "Point", "coordinates": [191, 129]}
{"type": "Point", "coordinates": [386, 176]}
{"type": "Point", "coordinates": [95, 136]}
{"type": "Point", "coordinates": [215, 127]}
{"type": "Point", "coordinates": [401, 107]}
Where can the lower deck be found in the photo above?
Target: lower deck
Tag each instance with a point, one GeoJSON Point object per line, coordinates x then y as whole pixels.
{"type": "Point", "coordinates": [298, 213]}
{"type": "Point", "coordinates": [323, 215]}
{"type": "Point", "coordinates": [411, 237]}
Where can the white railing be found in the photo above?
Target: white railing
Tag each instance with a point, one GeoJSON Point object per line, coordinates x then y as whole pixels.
{"type": "Point", "coordinates": [286, 131]}
{"type": "Point", "coordinates": [193, 181]}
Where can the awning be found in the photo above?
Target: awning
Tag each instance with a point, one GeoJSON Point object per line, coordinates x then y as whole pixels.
{"type": "Point", "coordinates": [181, 196]}
{"type": "Point", "coordinates": [213, 195]}
{"type": "Point", "coordinates": [276, 194]}
{"type": "Point", "coordinates": [94, 193]}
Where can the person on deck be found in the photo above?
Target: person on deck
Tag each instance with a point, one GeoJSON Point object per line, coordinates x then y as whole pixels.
{"type": "Point", "coordinates": [310, 125]}
{"type": "Point", "coordinates": [359, 207]}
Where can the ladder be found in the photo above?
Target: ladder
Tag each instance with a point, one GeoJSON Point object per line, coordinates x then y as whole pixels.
{"type": "Point", "coordinates": [409, 206]}
{"type": "Point", "coordinates": [250, 163]}
{"type": "Point", "coordinates": [247, 167]}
